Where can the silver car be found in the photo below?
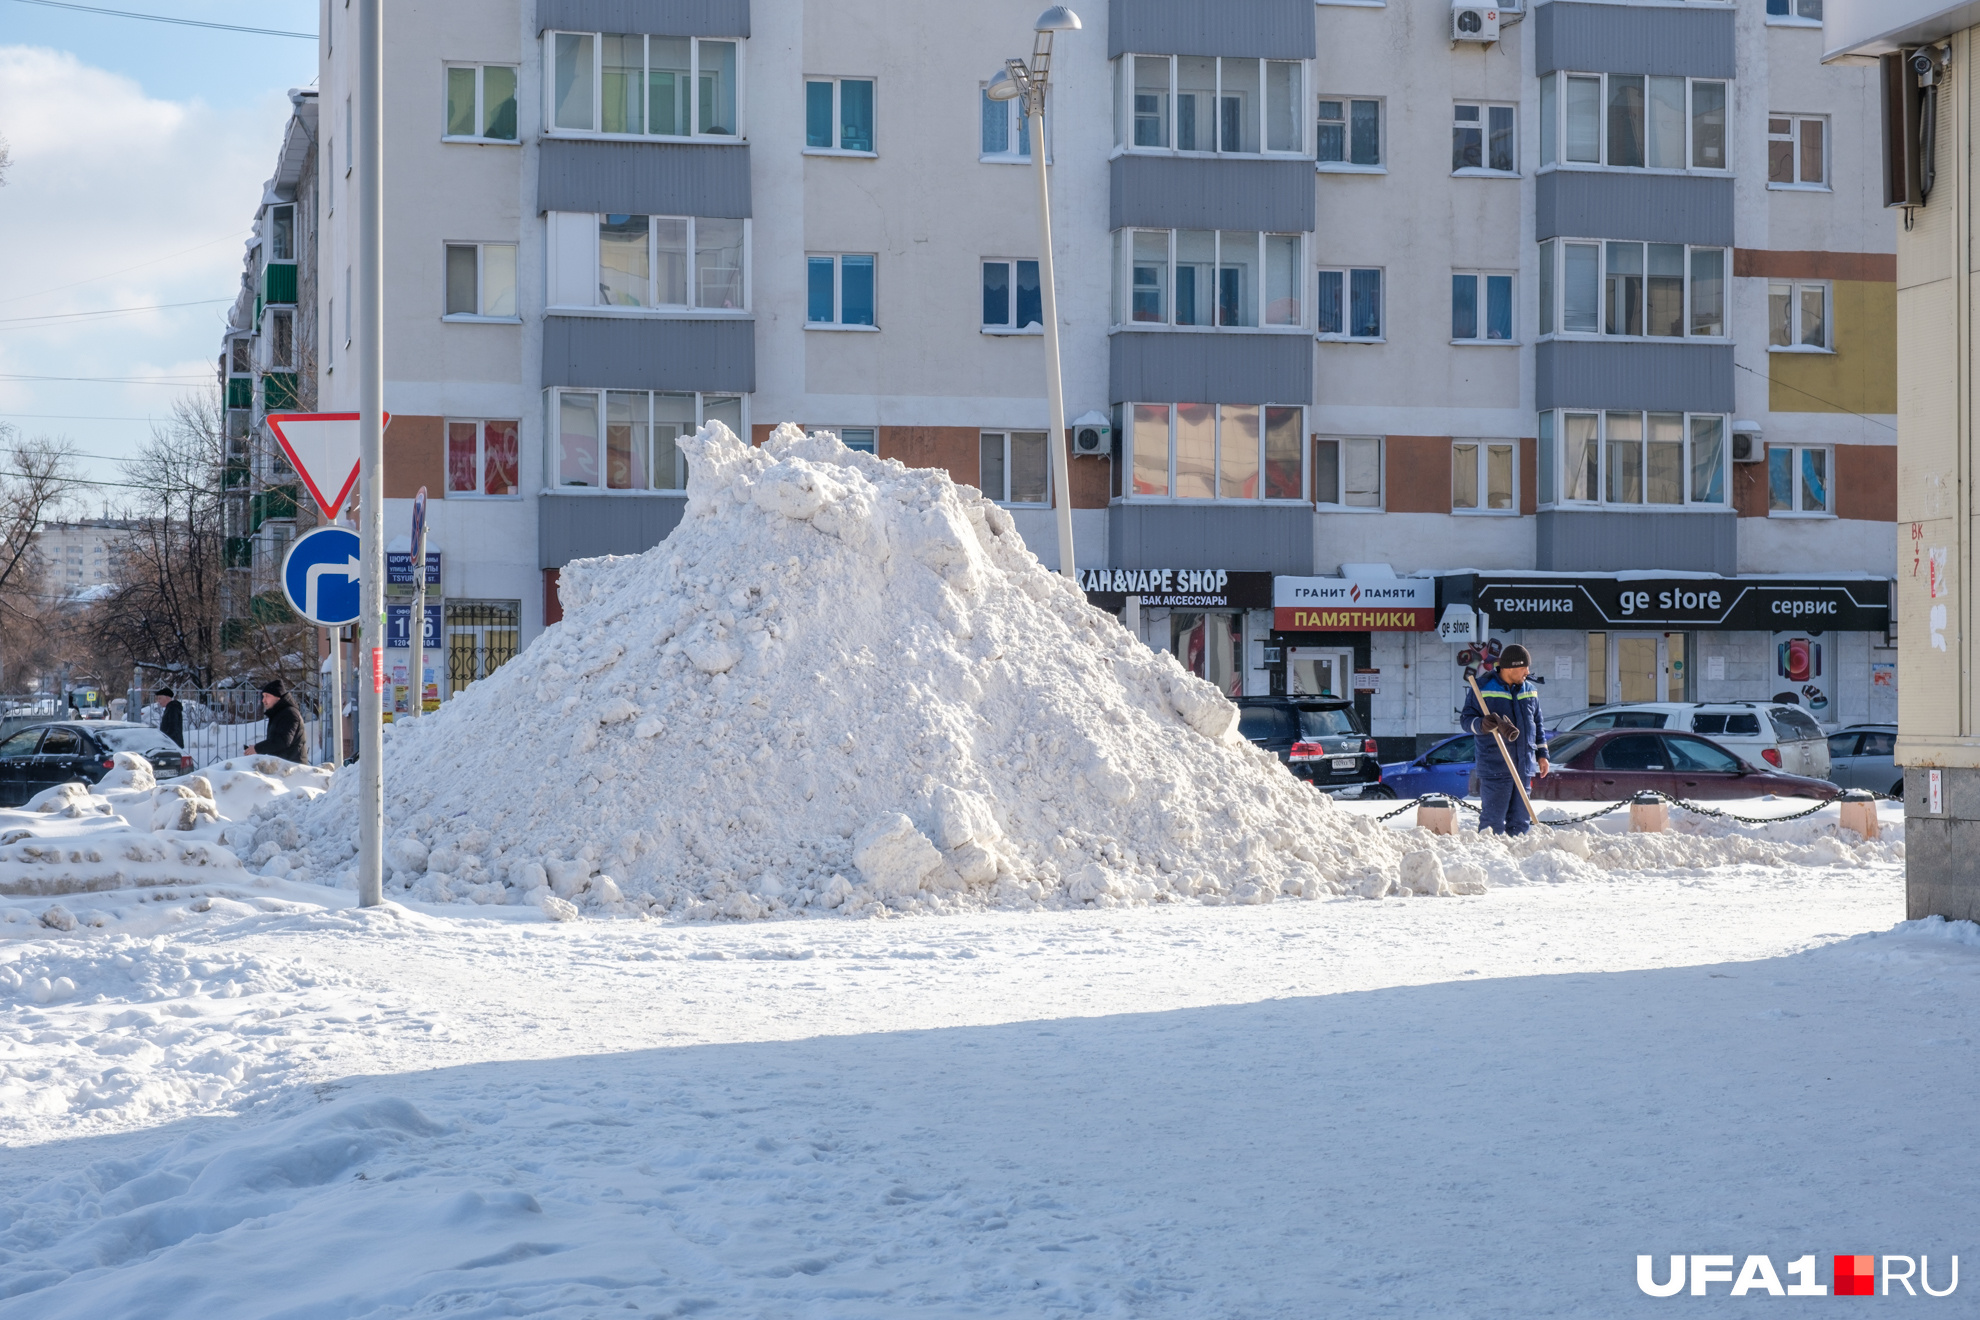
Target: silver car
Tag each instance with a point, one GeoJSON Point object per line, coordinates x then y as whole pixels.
{"type": "Point", "coordinates": [1863, 756]}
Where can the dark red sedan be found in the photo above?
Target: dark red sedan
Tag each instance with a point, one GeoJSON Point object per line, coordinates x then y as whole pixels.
{"type": "Point", "coordinates": [1607, 766]}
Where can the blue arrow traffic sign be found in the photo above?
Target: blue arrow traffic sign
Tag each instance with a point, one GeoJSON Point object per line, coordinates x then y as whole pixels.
{"type": "Point", "coordinates": [320, 576]}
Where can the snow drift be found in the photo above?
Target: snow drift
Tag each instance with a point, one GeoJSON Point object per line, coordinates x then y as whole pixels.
{"type": "Point", "coordinates": [841, 683]}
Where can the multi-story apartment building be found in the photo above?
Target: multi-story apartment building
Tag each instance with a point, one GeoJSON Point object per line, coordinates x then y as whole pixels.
{"type": "Point", "coordinates": [77, 556]}
{"type": "Point", "coordinates": [1585, 326]}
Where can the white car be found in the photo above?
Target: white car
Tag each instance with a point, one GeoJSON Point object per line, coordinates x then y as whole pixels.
{"type": "Point", "coordinates": [1765, 733]}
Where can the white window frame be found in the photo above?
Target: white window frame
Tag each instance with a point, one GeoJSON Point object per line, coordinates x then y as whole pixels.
{"type": "Point", "coordinates": [1017, 129]}
{"type": "Point", "coordinates": [551, 128]}
{"type": "Point", "coordinates": [838, 115]}
{"type": "Point", "coordinates": [1558, 135]}
{"type": "Point", "coordinates": [1346, 334]}
{"type": "Point", "coordinates": [1793, 138]}
{"type": "Point", "coordinates": [479, 315]}
{"type": "Point", "coordinates": [1124, 85]}
{"type": "Point", "coordinates": [1552, 450]}
{"type": "Point", "coordinates": [868, 437]}
{"type": "Point", "coordinates": [1011, 327]}
{"type": "Point", "coordinates": [271, 337]}
{"type": "Point", "coordinates": [553, 437]}
{"type": "Point", "coordinates": [480, 103]}
{"type": "Point", "coordinates": [837, 324]}
{"type": "Point", "coordinates": [1793, 19]}
{"type": "Point", "coordinates": [295, 235]}
{"type": "Point", "coordinates": [1124, 261]}
{"type": "Point", "coordinates": [1484, 127]}
{"type": "Point", "coordinates": [480, 425]}
{"type": "Point", "coordinates": [1336, 500]}
{"type": "Point", "coordinates": [570, 235]}
{"type": "Point", "coordinates": [1796, 329]}
{"type": "Point", "coordinates": [1126, 458]}
{"type": "Point", "coordinates": [1003, 496]}
{"type": "Point", "coordinates": [1479, 279]}
{"type": "Point", "coordinates": [1553, 285]}
{"type": "Point", "coordinates": [1481, 463]}
{"type": "Point", "coordinates": [1795, 453]}
{"type": "Point", "coordinates": [1347, 100]}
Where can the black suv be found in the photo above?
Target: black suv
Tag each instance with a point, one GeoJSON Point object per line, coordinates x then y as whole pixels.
{"type": "Point", "coordinates": [1319, 740]}
{"type": "Point", "coordinates": [45, 755]}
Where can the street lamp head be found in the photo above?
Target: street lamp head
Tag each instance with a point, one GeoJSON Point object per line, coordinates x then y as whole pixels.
{"type": "Point", "coordinates": [1003, 87]}
{"type": "Point", "coordinates": [1057, 19]}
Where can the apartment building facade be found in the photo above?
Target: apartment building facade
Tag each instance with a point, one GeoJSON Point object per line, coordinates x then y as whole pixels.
{"type": "Point", "coordinates": [1368, 321]}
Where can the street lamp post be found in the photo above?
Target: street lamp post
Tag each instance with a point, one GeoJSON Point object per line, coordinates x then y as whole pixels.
{"type": "Point", "coordinates": [1020, 80]}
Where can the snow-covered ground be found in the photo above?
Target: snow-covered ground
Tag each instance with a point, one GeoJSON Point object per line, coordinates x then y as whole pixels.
{"type": "Point", "coordinates": [245, 1098]}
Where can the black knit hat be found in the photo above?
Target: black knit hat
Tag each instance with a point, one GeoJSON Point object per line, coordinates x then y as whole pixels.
{"type": "Point", "coordinates": [274, 687]}
{"type": "Point", "coordinates": [1513, 657]}
{"type": "Point", "coordinates": [162, 692]}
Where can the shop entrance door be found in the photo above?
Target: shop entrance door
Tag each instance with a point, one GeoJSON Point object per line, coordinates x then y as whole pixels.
{"type": "Point", "coordinates": [1638, 664]}
{"type": "Point", "coordinates": [1211, 647]}
{"type": "Point", "coordinates": [1313, 671]}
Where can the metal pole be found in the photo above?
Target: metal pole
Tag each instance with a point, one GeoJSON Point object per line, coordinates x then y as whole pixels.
{"type": "Point", "coordinates": [1054, 388]}
{"type": "Point", "coordinates": [369, 194]}
{"type": "Point", "coordinates": [333, 717]}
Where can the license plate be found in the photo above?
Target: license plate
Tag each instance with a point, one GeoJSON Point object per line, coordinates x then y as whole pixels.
{"type": "Point", "coordinates": [1344, 762]}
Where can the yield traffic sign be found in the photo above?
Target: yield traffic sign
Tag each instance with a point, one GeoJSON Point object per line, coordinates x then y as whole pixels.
{"type": "Point", "coordinates": [320, 576]}
{"type": "Point", "coordinates": [323, 449]}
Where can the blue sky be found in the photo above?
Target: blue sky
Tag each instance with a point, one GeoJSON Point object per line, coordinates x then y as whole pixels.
{"type": "Point", "coordinates": [139, 152]}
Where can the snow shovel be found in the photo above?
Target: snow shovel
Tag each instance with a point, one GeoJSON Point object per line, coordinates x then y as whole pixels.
{"type": "Point", "coordinates": [1506, 752]}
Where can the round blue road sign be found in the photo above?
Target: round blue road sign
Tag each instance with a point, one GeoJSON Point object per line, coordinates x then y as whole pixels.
{"type": "Point", "coordinates": [320, 576]}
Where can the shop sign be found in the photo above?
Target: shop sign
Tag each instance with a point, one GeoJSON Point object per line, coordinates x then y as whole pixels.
{"type": "Point", "coordinates": [1368, 680]}
{"type": "Point", "coordinates": [399, 572]}
{"type": "Point", "coordinates": [1317, 604]}
{"type": "Point", "coordinates": [1177, 588]}
{"type": "Point", "coordinates": [1745, 604]}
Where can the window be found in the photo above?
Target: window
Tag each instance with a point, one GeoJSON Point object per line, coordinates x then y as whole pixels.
{"type": "Point", "coordinates": [839, 291]}
{"type": "Point", "coordinates": [1481, 308]}
{"type": "Point", "coordinates": [633, 85]}
{"type": "Point", "coordinates": [481, 103]}
{"type": "Point", "coordinates": [1482, 476]}
{"type": "Point", "coordinates": [1349, 305]}
{"type": "Point", "coordinates": [481, 280]}
{"type": "Point", "coordinates": [634, 263]}
{"type": "Point", "coordinates": [1012, 299]}
{"type": "Point", "coordinates": [347, 307]}
{"type": "Point", "coordinates": [1649, 290]}
{"type": "Point", "coordinates": [1204, 103]}
{"type": "Point", "coordinates": [1806, 11]}
{"type": "Point", "coordinates": [1205, 278]}
{"type": "Point", "coordinates": [1798, 316]}
{"type": "Point", "coordinates": [1624, 460]}
{"type": "Point", "coordinates": [1482, 139]}
{"type": "Point", "coordinates": [1006, 129]}
{"type": "Point", "coordinates": [1348, 473]}
{"type": "Point", "coordinates": [626, 439]}
{"type": "Point", "coordinates": [281, 339]}
{"type": "Point", "coordinates": [1231, 451]}
{"type": "Point", "coordinates": [482, 636]}
{"type": "Point", "coordinates": [838, 115]}
{"type": "Point", "coordinates": [482, 458]}
{"type": "Point", "coordinates": [282, 233]}
{"type": "Point", "coordinates": [1349, 134]}
{"type": "Point", "coordinates": [1795, 151]}
{"type": "Point", "coordinates": [1012, 467]}
{"type": "Point", "coordinates": [863, 438]}
{"type": "Point", "coordinates": [1798, 480]}
{"type": "Point", "coordinates": [1630, 121]}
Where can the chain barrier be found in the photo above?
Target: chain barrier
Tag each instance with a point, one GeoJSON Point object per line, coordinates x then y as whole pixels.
{"type": "Point", "coordinates": [1681, 803]}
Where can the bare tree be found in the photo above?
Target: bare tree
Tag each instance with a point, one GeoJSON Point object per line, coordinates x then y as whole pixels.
{"type": "Point", "coordinates": [37, 478]}
{"type": "Point", "coordinates": [6, 160]}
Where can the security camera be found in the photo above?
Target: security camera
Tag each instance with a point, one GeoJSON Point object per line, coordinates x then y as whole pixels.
{"type": "Point", "coordinates": [1925, 64]}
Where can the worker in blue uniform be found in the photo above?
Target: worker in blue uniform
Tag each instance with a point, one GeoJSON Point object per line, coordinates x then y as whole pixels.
{"type": "Point", "coordinates": [1511, 709]}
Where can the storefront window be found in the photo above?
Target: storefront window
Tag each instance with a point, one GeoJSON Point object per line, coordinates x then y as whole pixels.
{"type": "Point", "coordinates": [1211, 646]}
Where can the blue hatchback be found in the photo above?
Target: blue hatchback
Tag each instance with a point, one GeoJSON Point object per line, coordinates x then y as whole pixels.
{"type": "Point", "coordinates": [1445, 768]}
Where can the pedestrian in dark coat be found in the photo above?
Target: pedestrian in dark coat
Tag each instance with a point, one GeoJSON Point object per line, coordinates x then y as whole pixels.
{"type": "Point", "coordinates": [173, 722]}
{"type": "Point", "coordinates": [285, 725]}
{"type": "Point", "coordinates": [1511, 709]}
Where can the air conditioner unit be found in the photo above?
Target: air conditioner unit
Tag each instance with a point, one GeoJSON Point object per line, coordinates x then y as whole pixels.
{"type": "Point", "coordinates": [1474, 22]}
{"type": "Point", "coordinates": [1747, 447]}
{"type": "Point", "coordinates": [1092, 435]}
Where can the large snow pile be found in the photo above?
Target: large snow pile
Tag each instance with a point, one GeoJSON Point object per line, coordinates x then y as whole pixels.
{"type": "Point", "coordinates": [840, 683]}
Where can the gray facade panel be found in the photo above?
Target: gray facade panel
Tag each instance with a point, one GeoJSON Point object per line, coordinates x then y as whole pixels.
{"type": "Point", "coordinates": [666, 18]}
{"type": "Point", "coordinates": [1261, 538]}
{"type": "Point", "coordinates": [1607, 38]}
{"type": "Point", "coordinates": [623, 353]}
{"type": "Point", "coordinates": [1197, 192]}
{"type": "Point", "coordinates": [581, 526]}
{"type": "Point", "coordinates": [1584, 373]}
{"type": "Point", "coordinates": [1575, 540]}
{"type": "Point", "coordinates": [1657, 208]}
{"type": "Point", "coordinates": [642, 178]}
{"type": "Point", "coordinates": [1272, 29]}
{"type": "Point", "coordinates": [1211, 367]}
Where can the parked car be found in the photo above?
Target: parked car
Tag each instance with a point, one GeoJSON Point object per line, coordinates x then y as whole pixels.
{"type": "Point", "coordinates": [1446, 768]}
{"type": "Point", "coordinates": [1607, 765]}
{"type": "Point", "coordinates": [1320, 741]}
{"type": "Point", "coordinates": [1763, 732]}
{"type": "Point", "coordinates": [1864, 756]}
{"type": "Point", "coordinates": [39, 758]}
